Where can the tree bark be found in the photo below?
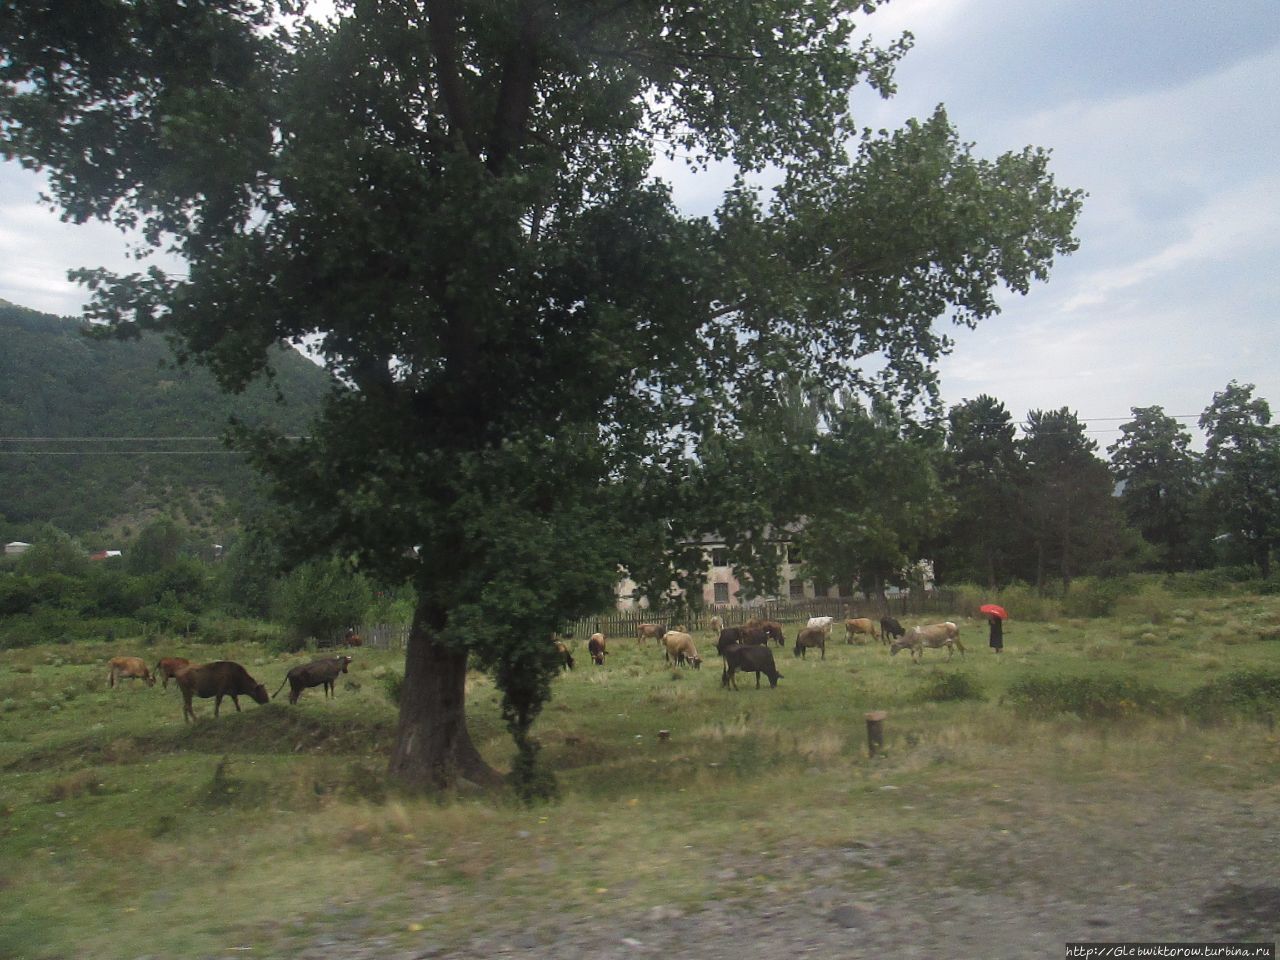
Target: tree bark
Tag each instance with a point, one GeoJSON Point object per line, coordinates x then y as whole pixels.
{"type": "Point", "coordinates": [433, 747]}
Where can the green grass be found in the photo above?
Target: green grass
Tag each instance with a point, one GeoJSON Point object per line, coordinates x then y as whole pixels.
{"type": "Point", "coordinates": [270, 827]}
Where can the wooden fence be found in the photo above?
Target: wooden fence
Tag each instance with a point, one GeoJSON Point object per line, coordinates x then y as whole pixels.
{"type": "Point", "coordinates": [625, 623]}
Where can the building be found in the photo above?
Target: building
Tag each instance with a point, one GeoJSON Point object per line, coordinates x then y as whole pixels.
{"type": "Point", "coordinates": [15, 548]}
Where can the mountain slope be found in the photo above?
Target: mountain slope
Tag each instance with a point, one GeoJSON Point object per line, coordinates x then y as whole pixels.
{"type": "Point", "coordinates": [98, 435]}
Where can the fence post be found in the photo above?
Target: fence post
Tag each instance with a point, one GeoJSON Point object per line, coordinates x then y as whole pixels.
{"type": "Point", "coordinates": [875, 733]}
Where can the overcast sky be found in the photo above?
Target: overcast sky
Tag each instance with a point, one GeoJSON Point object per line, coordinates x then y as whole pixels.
{"type": "Point", "coordinates": [1165, 112]}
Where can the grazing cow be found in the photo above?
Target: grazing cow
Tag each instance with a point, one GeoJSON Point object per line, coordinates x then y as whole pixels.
{"type": "Point", "coordinates": [125, 667]}
{"type": "Point", "coordinates": [596, 647]}
{"type": "Point", "coordinates": [716, 625]}
{"type": "Point", "coordinates": [222, 678]}
{"type": "Point", "coordinates": [773, 630]}
{"type": "Point", "coordinates": [811, 637]}
{"type": "Point", "coordinates": [168, 668]}
{"type": "Point", "coordinates": [650, 631]}
{"type": "Point", "coordinates": [314, 674]}
{"type": "Point", "coordinates": [566, 658]}
{"type": "Point", "coordinates": [934, 636]}
{"type": "Point", "coordinates": [890, 627]}
{"type": "Point", "coordinates": [747, 636]}
{"type": "Point", "coordinates": [680, 649]}
{"type": "Point", "coordinates": [749, 659]}
{"type": "Point", "coordinates": [351, 638]}
{"type": "Point", "coordinates": [822, 623]}
{"type": "Point", "coordinates": [858, 627]}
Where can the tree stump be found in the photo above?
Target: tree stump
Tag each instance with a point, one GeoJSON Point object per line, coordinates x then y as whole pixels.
{"type": "Point", "coordinates": [875, 732]}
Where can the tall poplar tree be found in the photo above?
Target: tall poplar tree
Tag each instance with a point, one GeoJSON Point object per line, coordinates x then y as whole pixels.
{"type": "Point", "coordinates": [1153, 458]}
{"type": "Point", "coordinates": [454, 203]}
{"type": "Point", "coordinates": [1242, 469]}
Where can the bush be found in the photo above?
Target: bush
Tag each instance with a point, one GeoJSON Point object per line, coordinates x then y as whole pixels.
{"type": "Point", "coordinates": [1254, 693]}
{"type": "Point", "coordinates": [1091, 597]}
{"type": "Point", "coordinates": [1095, 698]}
{"type": "Point", "coordinates": [393, 686]}
{"type": "Point", "coordinates": [951, 686]}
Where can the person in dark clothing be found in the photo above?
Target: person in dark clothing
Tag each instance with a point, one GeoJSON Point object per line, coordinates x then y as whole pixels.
{"type": "Point", "coordinates": [997, 633]}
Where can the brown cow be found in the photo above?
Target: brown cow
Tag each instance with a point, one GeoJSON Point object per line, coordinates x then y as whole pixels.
{"type": "Point", "coordinates": [650, 631]}
{"type": "Point", "coordinates": [598, 649]}
{"type": "Point", "coordinates": [168, 668]}
{"type": "Point", "coordinates": [810, 637]}
{"type": "Point", "coordinates": [562, 653]}
{"type": "Point", "coordinates": [313, 674]}
{"type": "Point", "coordinates": [125, 667]}
{"type": "Point", "coordinates": [222, 678]}
{"type": "Point", "coordinates": [858, 627]}
{"type": "Point", "coordinates": [351, 638]}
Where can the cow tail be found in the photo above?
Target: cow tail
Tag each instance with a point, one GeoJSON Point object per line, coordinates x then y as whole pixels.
{"type": "Point", "coordinates": [279, 688]}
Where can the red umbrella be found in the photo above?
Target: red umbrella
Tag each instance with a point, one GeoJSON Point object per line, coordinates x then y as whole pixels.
{"type": "Point", "coordinates": [993, 610]}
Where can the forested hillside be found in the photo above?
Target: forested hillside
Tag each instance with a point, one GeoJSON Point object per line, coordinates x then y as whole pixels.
{"type": "Point", "coordinates": [97, 436]}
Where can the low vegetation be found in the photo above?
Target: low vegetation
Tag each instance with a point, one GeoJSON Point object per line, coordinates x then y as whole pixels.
{"type": "Point", "coordinates": [117, 813]}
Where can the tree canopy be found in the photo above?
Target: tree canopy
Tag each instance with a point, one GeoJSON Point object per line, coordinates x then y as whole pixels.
{"type": "Point", "coordinates": [455, 204]}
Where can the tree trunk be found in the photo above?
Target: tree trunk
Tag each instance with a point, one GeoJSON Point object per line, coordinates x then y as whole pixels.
{"type": "Point", "coordinates": [433, 748]}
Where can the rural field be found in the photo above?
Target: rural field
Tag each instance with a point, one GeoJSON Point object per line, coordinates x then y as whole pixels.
{"type": "Point", "coordinates": [1104, 779]}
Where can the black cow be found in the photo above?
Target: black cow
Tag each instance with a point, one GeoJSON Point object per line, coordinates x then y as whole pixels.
{"type": "Point", "coordinates": [751, 659]}
{"type": "Point", "coordinates": [890, 627]}
{"type": "Point", "coordinates": [313, 674]}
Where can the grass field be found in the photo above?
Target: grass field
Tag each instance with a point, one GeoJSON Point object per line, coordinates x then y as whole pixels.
{"type": "Point", "coordinates": [125, 832]}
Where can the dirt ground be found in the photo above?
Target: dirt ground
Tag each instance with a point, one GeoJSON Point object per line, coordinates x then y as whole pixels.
{"type": "Point", "coordinates": [1036, 867]}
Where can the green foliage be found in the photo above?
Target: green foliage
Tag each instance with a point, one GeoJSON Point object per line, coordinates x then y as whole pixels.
{"type": "Point", "coordinates": [320, 599]}
{"type": "Point", "coordinates": [56, 381]}
{"type": "Point", "coordinates": [1093, 698]}
{"type": "Point", "coordinates": [1242, 462]}
{"type": "Point", "coordinates": [1153, 458]}
{"type": "Point", "coordinates": [951, 685]}
{"type": "Point", "coordinates": [393, 686]}
{"type": "Point", "coordinates": [1251, 693]}
{"type": "Point", "coordinates": [1093, 596]}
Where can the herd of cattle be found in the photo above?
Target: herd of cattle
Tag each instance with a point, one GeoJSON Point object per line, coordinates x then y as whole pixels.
{"type": "Point", "coordinates": [226, 678]}
{"type": "Point", "coordinates": [745, 649]}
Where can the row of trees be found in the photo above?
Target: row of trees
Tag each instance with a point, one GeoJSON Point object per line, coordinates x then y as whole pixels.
{"type": "Point", "coordinates": [166, 583]}
{"type": "Point", "coordinates": [1042, 505]}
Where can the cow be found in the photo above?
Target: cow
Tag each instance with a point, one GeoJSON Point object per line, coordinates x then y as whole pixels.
{"type": "Point", "coordinates": [858, 627]}
{"type": "Point", "coordinates": [596, 647]}
{"type": "Point", "coordinates": [716, 625]}
{"type": "Point", "coordinates": [890, 627]}
{"type": "Point", "coordinates": [125, 667]}
{"type": "Point", "coordinates": [822, 623]}
{"type": "Point", "coordinates": [650, 631]}
{"type": "Point", "coordinates": [935, 635]}
{"type": "Point", "coordinates": [222, 678]}
{"type": "Point", "coordinates": [351, 638]}
{"type": "Point", "coordinates": [313, 674]}
{"type": "Point", "coordinates": [773, 629]}
{"type": "Point", "coordinates": [749, 659]}
{"type": "Point", "coordinates": [168, 668]}
{"type": "Point", "coordinates": [811, 637]}
{"type": "Point", "coordinates": [747, 636]}
{"type": "Point", "coordinates": [562, 652]}
{"type": "Point", "coordinates": [680, 649]}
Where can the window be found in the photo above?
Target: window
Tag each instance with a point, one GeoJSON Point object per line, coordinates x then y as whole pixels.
{"type": "Point", "coordinates": [720, 557]}
{"type": "Point", "coordinates": [721, 592]}
{"type": "Point", "coordinates": [793, 554]}
{"type": "Point", "coordinates": [797, 589]}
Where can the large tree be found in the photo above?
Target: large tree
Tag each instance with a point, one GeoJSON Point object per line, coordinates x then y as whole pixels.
{"type": "Point", "coordinates": [1068, 499]}
{"type": "Point", "coordinates": [984, 475]}
{"type": "Point", "coordinates": [454, 203]}
{"type": "Point", "coordinates": [1242, 467]}
{"type": "Point", "coordinates": [1154, 459]}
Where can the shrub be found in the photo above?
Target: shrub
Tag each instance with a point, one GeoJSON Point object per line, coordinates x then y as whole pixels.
{"type": "Point", "coordinates": [951, 686]}
{"type": "Point", "coordinates": [1253, 693]}
{"type": "Point", "coordinates": [1090, 597]}
{"type": "Point", "coordinates": [393, 686]}
{"type": "Point", "coordinates": [1098, 698]}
